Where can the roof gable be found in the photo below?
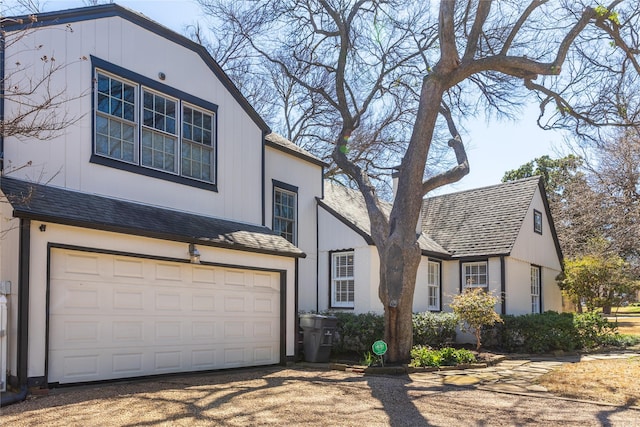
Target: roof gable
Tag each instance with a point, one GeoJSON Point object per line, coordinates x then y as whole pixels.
{"type": "Point", "coordinates": [113, 10]}
{"type": "Point", "coordinates": [479, 222]}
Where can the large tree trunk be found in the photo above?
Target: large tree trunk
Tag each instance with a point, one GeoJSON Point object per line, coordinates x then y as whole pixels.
{"type": "Point", "coordinates": [398, 269]}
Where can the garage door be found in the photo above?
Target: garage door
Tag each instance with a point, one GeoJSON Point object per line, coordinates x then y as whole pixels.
{"type": "Point", "coordinates": [117, 317]}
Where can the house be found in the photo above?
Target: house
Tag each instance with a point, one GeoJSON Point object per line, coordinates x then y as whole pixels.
{"type": "Point", "coordinates": [500, 238]}
{"type": "Point", "coordinates": [166, 229]}
{"type": "Point", "coordinates": [139, 240]}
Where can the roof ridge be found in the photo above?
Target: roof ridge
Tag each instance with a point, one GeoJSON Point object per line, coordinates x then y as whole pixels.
{"type": "Point", "coordinates": [486, 187]}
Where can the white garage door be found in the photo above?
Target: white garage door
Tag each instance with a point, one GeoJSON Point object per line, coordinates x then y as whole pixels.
{"type": "Point", "coordinates": [117, 317]}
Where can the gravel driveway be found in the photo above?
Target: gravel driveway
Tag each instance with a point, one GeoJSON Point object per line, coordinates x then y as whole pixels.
{"type": "Point", "coordinates": [294, 396]}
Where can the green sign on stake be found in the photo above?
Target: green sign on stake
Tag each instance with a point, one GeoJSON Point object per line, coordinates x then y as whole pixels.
{"type": "Point", "coordinates": [379, 347]}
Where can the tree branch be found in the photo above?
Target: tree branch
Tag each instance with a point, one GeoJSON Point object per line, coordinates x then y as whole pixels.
{"type": "Point", "coordinates": [482, 12]}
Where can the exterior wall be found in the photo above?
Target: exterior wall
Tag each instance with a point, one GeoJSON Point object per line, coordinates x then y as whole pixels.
{"type": "Point", "coordinates": [9, 250]}
{"type": "Point", "coordinates": [532, 248]}
{"type": "Point", "coordinates": [307, 177]}
{"type": "Point", "coordinates": [58, 234]}
{"type": "Point", "coordinates": [64, 160]}
{"type": "Point", "coordinates": [336, 236]}
{"type": "Point", "coordinates": [538, 249]}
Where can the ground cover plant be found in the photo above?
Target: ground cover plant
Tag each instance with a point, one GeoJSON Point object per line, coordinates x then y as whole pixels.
{"type": "Point", "coordinates": [614, 381]}
{"type": "Point", "coordinates": [422, 356]}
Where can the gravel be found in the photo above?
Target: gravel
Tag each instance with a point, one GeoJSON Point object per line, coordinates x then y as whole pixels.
{"type": "Point", "coordinates": [294, 396]}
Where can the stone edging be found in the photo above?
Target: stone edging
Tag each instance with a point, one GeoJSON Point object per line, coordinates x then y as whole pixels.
{"type": "Point", "coordinates": [405, 369]}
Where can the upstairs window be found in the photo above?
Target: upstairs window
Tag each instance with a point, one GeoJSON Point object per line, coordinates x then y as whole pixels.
{"type": "Point", "coordinates": [284, 213]}
{"type": "Point", "coordinates": [537, 221]}
{"type": "Point", "coordinates": [161, 131]}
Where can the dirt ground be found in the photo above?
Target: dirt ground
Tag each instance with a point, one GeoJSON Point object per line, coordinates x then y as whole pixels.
{"type": "Point", "coordinates": [293, 396]}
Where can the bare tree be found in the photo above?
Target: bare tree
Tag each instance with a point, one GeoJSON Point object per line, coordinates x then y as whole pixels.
{"type": "Point", "coordinates": [356, 59]}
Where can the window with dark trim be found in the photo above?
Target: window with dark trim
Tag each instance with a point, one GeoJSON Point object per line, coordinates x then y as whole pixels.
{"type": "Point", "coordinates": [284, 213]}
{"type": "Point", "coordinates": [536, 287]}
{"type": "Point", "coordinates": [475, 275]}
{"type": "Point", "coordinates": [146, 127]}
{"type": "Point", "coordinates": [433, 286]}
{"type": "Point", "coordinates": [537, 221]}
{"type": "Point", "coordinates": [342, 279]}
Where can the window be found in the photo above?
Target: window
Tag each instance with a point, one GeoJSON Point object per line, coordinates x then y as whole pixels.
{"type": "Point", "coordinates": [433, 286]}
{"type": "Point", "coordinates": [474, 275]}
{"type": "Point", "coordinates": [284, 213]}
{"type": "Point", "coordinates": [342, 280]}
{"type": "Point", "coordinates": [152, 129]}
{"type": "Point", "coordinates": [537, 221]}
{"type": "Point", "coordinates": [535, 290]}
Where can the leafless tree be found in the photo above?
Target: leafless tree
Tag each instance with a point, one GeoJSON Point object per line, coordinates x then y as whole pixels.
{"type": "Point", "coordinates": [356, 60]}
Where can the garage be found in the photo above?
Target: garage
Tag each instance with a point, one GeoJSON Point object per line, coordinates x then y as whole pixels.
{"type": "Point", "coordinates": [120, 316]}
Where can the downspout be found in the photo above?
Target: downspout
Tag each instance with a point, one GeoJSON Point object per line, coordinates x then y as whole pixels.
{"type": "Point", "coordinates": [503, 286]}
{"type": "Point", "coordinates": [2, 76]}
{"type": "Point", "coordinates": [317, 259]}
{"type": "Point", "coordinates": [23, 314]}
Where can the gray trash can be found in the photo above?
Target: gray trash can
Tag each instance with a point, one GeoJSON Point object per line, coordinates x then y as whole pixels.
{"type": "Point", "coordinates": [318, 332]}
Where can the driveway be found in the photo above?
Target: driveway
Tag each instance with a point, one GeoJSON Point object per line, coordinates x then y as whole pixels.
{"type": "Point", "coordinates": [303, 396]}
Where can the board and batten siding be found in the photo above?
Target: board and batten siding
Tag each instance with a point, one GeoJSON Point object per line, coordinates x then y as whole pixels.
{"type": "Point", "coordinates": [64, 161]}
{"type": "Point", "coordinates": [307, 177]}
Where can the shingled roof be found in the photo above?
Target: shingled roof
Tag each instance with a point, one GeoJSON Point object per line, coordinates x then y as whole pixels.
{"type": "Point", "coordinates": [479, 222]}
{"type": "Point", "coordinates": [62, 206]}
{"type": "Point", "coordinates": [281, 143]}
{"type": "Point", "coordinates": [349, 207]}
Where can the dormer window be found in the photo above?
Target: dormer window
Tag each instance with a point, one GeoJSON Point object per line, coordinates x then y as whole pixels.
{"type": "Point", "coordinates": [146, 127]}
{"type": "Point", "coordinates": [537, 221]}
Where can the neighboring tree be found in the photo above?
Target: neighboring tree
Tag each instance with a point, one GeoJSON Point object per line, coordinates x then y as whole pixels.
{"type": "Point", "coordinates": [557, 174]}
{"type": "Point", "coordinates": [476, 309]}
{"type": "Point", "coordinates": [355, 62]}
{"type": "Point", "coordinates": [600, 281]}
{"type": "Point", "coordinates": [616, 177]}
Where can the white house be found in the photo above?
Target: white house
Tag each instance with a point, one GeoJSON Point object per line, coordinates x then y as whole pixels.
{"type": "Point", "coordinates": [166, 229]}
{"type": "Point", "coordinates": [138, 241]}
{"type": "Point", "coordinates": [500, 238]}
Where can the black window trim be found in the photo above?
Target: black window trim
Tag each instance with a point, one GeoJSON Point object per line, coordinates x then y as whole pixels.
{"type": "Point", "coordinates": [464, 261]}
{"type": "Point", "coordinates": [97, 63]}
{"type": "Point", "coordinates": [439, 262]}
{"type": "Point", "coordinates": [537, 213]}
{"type": "Point", "coordinates": [331, 253]}
{"type": "Point", "coordinates": [539, 270]}
{"type": "Point", "coordinates": [292, 189]}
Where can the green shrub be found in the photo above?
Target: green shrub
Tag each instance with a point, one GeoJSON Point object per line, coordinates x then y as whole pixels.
{"type": "Point", "coordinates": [423, 356]}
{"type": "Point", "coordinates": [621, 340]}
{"type": "Point", "coordinates": [434, 329]}
{"type": "Point", "coordinates": [549, 331]}
{"type": "Point", "coordinates": [357, 332]}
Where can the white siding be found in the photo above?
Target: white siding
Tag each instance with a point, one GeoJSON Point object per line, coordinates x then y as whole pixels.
{"type": "Point", "coordinates": [9, 251]}
{"type": "Point", "coordinates": [64, 160]}
{"type": "Point", "coordinates": [307, 177]}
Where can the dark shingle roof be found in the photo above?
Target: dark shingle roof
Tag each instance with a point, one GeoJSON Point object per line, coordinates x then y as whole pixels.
{"type": "Point", "coordinates": [57, 205]}
{"type": "Point", "coordinates": [348, 206]}
{"type": "Point", "coordinates": [283, 144]}
{"type": "Point", "coordinates": [480, 222]}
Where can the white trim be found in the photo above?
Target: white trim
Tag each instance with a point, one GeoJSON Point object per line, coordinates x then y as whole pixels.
{"type": "Point", "coordinates": [341, 262]}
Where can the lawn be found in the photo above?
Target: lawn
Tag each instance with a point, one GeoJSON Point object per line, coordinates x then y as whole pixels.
{"type": "Point", "coordinates": [628, 319]}
{"type": "Point", "coordinates": [614, 381]}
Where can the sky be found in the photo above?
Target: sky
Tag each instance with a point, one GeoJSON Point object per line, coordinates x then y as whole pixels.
{"type": "Point", "coordinates": [492, 148]}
